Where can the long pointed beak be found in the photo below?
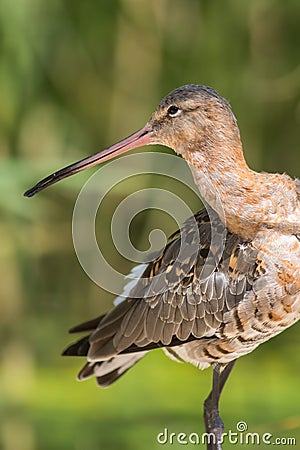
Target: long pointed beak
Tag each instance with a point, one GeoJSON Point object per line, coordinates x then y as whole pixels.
{"type": "Point", "coordinates": [135, 140]}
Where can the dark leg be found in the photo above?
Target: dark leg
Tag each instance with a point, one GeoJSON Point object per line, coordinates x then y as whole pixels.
{"type": "Point", "coordinates": [212, 419]}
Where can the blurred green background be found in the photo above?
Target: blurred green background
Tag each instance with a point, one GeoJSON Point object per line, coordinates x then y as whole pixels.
{"type": "Point", "coordinates": [75, 77]}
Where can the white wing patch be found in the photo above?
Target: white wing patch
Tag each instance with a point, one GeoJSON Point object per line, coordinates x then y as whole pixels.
{"type": "Point", "coordinates": [134, 276]}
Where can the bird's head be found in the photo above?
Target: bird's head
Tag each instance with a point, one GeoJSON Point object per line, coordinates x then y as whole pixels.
{"type": "Point", "coordinates": [193, 120]}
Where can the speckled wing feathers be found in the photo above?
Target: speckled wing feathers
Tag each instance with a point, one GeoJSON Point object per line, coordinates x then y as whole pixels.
{"type": "Point", "coordinates": [210, 296]}
{"type": "Point", "coordinates": [176, 300]}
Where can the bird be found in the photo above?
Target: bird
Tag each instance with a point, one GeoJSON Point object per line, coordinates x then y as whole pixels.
{"type": "Point", "coordinates": [227, 280]}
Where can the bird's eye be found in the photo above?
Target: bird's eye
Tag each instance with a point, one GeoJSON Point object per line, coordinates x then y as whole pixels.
{"type": "Point", "coordinates": [174, 111]}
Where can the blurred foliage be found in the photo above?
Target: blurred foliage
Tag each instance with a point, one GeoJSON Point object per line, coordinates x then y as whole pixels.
{"type": "Point", "coordinates": [78, 75]}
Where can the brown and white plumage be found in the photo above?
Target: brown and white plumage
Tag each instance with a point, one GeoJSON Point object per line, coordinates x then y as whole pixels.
{"type": "Point", "coordinates": [228, 280]}
{"type": "Point", "coordinates": [216, 315]}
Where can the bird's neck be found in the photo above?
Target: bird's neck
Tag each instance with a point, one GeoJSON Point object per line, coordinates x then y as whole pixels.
{"type": "Point", "coordinates": [245, 200]}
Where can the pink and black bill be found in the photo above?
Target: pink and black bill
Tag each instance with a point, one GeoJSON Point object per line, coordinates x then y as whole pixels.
{"type": "Point", "coordinates": [135, 140]}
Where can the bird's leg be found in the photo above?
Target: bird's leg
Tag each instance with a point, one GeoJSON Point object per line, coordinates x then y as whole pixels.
{"type": "Point", "coordinates": [214, 426]}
